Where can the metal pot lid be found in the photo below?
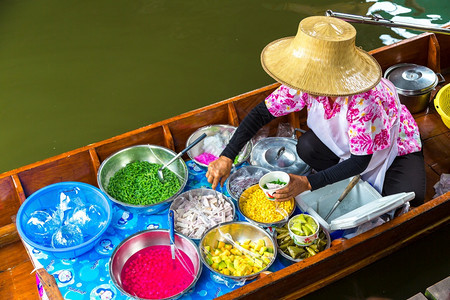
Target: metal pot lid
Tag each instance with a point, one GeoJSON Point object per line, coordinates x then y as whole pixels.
{"type": "Point", "coordinates": [411, 79]}
{"type": "Point", "coordinates": [279, 154]}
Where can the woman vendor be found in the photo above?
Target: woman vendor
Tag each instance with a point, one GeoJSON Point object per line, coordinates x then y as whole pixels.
{"type": "Point", "coordinates": [357, 123]}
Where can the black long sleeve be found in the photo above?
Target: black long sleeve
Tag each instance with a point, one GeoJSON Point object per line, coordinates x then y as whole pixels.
{"type": "Point", "coordinates": [257, 118]}
{"type": "Point", "coordinates": [356, 164]}
{"type": "Point", "coordinates": [260, 116]}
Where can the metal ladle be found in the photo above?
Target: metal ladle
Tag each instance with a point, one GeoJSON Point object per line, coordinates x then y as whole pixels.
{"type": "Point", "coordinates": [160, 173]}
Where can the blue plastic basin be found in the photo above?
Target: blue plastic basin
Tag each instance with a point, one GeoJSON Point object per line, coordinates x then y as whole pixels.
{"type": "Point", "coordinates": [48, 198]}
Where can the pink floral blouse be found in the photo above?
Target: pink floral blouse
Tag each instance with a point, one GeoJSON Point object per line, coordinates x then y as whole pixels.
{"type": "Point", "coordinates": [370, 117]}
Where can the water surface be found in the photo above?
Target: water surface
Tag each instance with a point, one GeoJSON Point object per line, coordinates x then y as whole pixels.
{"type": "Point", "coordinates": [77, 72]}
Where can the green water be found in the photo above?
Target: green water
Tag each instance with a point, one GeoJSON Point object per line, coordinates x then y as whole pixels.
{"type": "Point", "coordinates": [77, 72]}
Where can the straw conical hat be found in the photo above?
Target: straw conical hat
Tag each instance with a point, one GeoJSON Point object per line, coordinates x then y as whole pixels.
{"type": "Point", "coordinates": [322, 59]}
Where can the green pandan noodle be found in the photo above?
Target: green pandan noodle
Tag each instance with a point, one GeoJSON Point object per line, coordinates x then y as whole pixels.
{"type": "Point", "coordinates": [138, 183]}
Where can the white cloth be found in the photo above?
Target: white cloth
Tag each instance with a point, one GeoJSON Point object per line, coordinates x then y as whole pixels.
{"type": "Point", "coordinates": [334, 134]}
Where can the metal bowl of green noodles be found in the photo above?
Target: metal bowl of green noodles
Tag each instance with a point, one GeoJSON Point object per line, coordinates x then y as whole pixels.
{"type": "Point", "coordinates": [129, 178]}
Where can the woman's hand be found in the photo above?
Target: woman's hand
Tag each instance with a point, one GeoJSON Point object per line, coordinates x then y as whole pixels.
{"type": "Point", "coordinates": [218, 171]}
{"type": "Point", "coordinates": [297, 185]}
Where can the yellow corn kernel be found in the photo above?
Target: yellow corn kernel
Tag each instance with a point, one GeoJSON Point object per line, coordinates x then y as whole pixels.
{"type": "Point", "coordinates": [257, 207]}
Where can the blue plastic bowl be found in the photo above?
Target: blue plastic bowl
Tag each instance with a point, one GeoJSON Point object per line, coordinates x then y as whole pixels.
{"type": "Point", "coordinates": [48, 198]}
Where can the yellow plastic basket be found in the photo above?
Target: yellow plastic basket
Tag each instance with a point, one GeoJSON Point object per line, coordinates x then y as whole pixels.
{"type": "Point", "coordinates": [442, 104]}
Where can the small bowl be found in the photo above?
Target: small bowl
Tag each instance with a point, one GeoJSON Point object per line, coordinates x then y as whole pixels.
{"type": "Point", "coordinates": [226, 131]}
{"type": "Point", "coordinates": [239, 232]}
{"type": "Point", "coordinates": [189, 196]}
{"type": "Point", "coordinates": [287, 259]}
{"type": "Point", "coordinates": [245, 196]}
{"type": "Point", "coordinates": [271, 177]}
{"type": "Point", "coordinates": [251, 175]}
{"type": "Point", "coordinates": [147, 238]}
{"type": "Point", "coordinates": [152, 154]}
{"type": "Point", "coordinates": [303, 240]}
{"type": "Point", "coordinates": [70, 195]}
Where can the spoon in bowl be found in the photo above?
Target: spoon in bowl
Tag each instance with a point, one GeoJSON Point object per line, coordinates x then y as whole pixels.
{"type": "Point", "coordinates": [160, 173]}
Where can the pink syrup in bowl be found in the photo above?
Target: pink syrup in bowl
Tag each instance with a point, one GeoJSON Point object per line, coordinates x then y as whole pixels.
{"type": "Point", "coordinates": [205, 158]}
{"type": "Point", "coordinates": [151, 273]}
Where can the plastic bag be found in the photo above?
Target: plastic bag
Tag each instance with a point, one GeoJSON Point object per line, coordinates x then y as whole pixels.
{"type": "Point", "coordinates": [261, 134]}
{"type": "Point", "coordinates": [285, 130]}
{"type": "Point", "coordinates": [442, 186]}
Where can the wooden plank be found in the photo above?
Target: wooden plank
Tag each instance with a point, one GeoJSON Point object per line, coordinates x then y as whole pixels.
{"type": "Point", "coordinates": [434, 54]}
{"type": "Point", "coordinates": [16, 280]}
{"type": "Point", "coordinates": [444, 45]}
{"type": "Point", "coordinates": [406, 51]}
{"type": "Point", "coordinates": [8, 234]}
{"type": "Point", "coordinates": [12, 255]}
{"type": "Point", "coordinates": [18, 188]}
{"type": "Point", "coordinates": [9, 202]}
{"type": "Point", "coordinates": [77, 167]}
{"type": "Point", "coordinates": [148, 135]}
{"type": "Point", "coordinates": [94, 159]}
{"type": "Point", "coordinates": [430, 125]}
{"type": "Point", "coordinates": [24, 282]}
{"type": "Point", "coordinates": [232, 115]}
{"type": "Point", "coordinates": [168, 138]}
{"type": "Point", "coordinates": [437, 153]}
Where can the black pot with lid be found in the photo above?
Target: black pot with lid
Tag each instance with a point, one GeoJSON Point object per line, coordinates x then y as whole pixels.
{"type": "Point", "coordinates": [414, 84]}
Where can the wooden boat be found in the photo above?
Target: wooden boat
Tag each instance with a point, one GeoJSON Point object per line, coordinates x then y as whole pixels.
{"type": "Point", "coordinates": [344, 256]}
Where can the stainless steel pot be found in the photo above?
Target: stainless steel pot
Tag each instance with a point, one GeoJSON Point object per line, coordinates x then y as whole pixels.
{"type": "Point", "coordinates": [414, 84]}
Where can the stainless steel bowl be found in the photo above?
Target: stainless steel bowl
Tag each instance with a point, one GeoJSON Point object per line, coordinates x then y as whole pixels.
{"type": "Point", "coordinates": [152, 154]}
{"type": "Point", "coordinates": [249, 171]}
{"type": "Point", "coordinates": [211, 131]}
{"type": "Point", "coordinates": [239, 231]}
{"type": "Point", "coordinates": [186, 196]}
{"type": "Point", "coordinates": [287, 259]}
{"type": "Point", "coordinates": [147, 238]}
{"type": "Point", "coordinates": [262, 224]}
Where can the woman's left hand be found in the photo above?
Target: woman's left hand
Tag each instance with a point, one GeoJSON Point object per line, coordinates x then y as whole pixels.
{"type": "Point", "coordinates": [297, 185]}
